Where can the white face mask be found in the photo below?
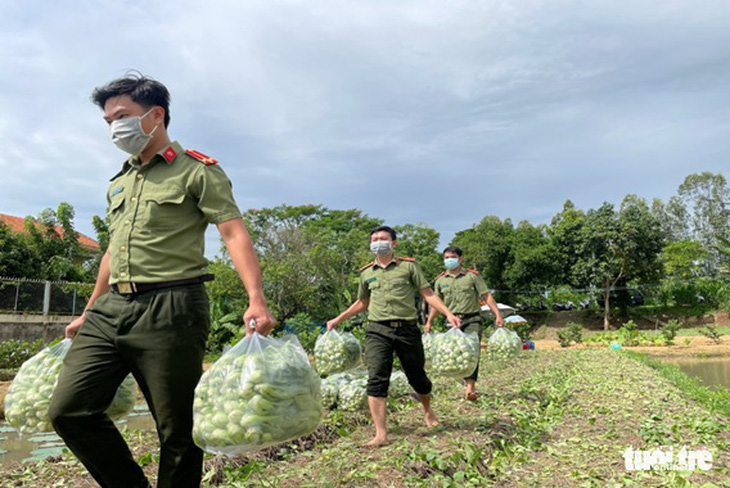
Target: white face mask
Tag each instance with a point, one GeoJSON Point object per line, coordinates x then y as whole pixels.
{"type": "Point", "coordinates": [128, 135]}
{"type": "Point", "coordinates": [381, 248]}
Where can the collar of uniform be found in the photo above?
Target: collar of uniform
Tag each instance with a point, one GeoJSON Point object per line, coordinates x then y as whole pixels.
{"type": "Point", "coordinates": [168, 154]}
{"type": "Point", "coordinates": [392, 260]}
{"type": "Point", "coordinates": [125, 167]}
{"type": "Point", "coordinates": [171, 152]}
{"type": "Point", "coordinates": [461, 272]}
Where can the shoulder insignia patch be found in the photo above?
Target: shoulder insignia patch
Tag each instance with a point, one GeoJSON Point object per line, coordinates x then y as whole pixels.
{"type": "Point", "coordinates": [403, 258]}
{"type": "Point", "coordinates": [440, 275]}
{"type": "Point", "coordinates": [169, 154]}
{"type": "Point", "coordinates": [206, 160]}
{"type": "Point", "coordinates": [473, 271]}
{"type": "Point", "coordinates": [371, 263]}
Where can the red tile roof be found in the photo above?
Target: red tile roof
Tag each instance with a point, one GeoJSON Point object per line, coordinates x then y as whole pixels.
{"type": "Point", "coordinates": [17, 224]}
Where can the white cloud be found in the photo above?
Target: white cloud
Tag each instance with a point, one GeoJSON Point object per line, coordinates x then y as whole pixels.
{"type": "Point", "coordinates": [377, 105]}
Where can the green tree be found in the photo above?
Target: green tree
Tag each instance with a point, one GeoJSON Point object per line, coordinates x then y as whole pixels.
{"type": "Point", "coordinates": [683, 259]}
{"type": "Point", "coordinates": [534, 261]}
{"type": "Point", "coordinates": [486, 247]}
{"type": "Point", "coordinates": [50, 253]}
{"type": "Point", "coordinates": [565, 232]}
{"type": "Point", "coordinates": [619, 247]}
{"type": "Point", "coordinates": [673, 218]}
{"type": "Point", "coordinates": [309, 256]}
{"type": "Point", "coordinates": [16, 257]}
{"type": "Point", "coordinates": [706, 197]}
{"type": "Point", "coordinates": [420, 241]}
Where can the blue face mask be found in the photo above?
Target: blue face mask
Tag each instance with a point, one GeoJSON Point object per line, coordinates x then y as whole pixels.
{"type": "Point", "coordinates": [451, 263]}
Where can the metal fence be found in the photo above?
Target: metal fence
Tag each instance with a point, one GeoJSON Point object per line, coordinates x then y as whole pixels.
{"type": "Point", "coordinates": [20, 295]}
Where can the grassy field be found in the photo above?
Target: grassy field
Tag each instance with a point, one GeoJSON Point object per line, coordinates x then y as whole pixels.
{"type": "Point", "coordinates": [552, 418]}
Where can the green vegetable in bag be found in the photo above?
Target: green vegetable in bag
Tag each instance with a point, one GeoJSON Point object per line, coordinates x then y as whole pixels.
{"type": "Point", "coordinates": [399, 385]}
{"type": "Point", "coordinates": [261, 392]}
{"type": "Point", "coordinates": [503, 345]}
{"type": "Point", "coordinates": [335, 352]}
{"type": "Point", "coordinates": [427, 340]}
{"type": "Point", "coordinates": [455, 353]}
{"type": "Point", "coordinates": [29, 395]}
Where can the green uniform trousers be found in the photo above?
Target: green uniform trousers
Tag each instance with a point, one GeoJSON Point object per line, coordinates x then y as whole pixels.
{"type": "Point", "coordinates": [381, 341]}
{"type": "Point", "coordinates": [159, 336]}
{"type": "Point", "coordinates": [474, 324]}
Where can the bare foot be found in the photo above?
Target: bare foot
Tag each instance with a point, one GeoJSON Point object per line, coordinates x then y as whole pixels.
{"type": "Point", "coordinates": [377, 442]}
{"type": "Point", "coordinates": [471, 396]}
{"type": "Point", "coordinates": [431, 420]}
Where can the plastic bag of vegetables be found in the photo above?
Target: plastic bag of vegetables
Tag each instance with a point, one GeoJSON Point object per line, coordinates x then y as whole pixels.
{"type": "Point", "coordinates": [330, 390]}
{"type": "Point", "coordinates": [29, 395]}
{"type": "Point", "coordinates": [335, 352]}
{"type": "Point", "coordinates": [353, 395]}
{"type": "Point", "coordinates": [399, 385]}
{"type": "Point", "coordinates": [503, 344]}
{"type": "Point", "coordinates": [261, 392]}
{"type": "Point", "coordinates": [455, 353]}
{"type": "Point", "coordinates": [124, 398]}
{"type": "Point", "coordinates": [427, 340]}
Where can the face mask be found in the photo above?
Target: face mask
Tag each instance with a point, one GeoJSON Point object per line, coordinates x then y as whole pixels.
{"type": "Point", "coordinates": [381, 247]}
{"type": "Point", "coordinates": [128, 135]}
{"type": "Point", "coordinates": [451, 263]}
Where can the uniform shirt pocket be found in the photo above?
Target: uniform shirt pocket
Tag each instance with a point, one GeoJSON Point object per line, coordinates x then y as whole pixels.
{"type": "Point", "coordinates": [163, 210]}
{"type": "Point", "coordinates": [115, 211]}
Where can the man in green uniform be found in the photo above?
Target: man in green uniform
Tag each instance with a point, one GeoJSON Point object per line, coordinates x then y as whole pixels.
{"type": "Point", "coordinates": [148, 313]}
{"type": "Point", "coordinates": [387, 291]}
{"type": "Point", "coordinates": [461, 291]}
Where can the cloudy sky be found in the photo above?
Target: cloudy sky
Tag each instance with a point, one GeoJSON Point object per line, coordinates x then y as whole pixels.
{"type": "Point", "coordinates": [414, 111]}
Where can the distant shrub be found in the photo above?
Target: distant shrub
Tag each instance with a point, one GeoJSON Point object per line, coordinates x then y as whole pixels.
{"type": "Point", "coordinates": [710, 331]}
{"type": "Point", "coordinates": [572, 332]}
{"type": "Point", "coordinates": [629, 334]}
{"type": "Point", "coordinates": [13, 353]}
{"type": "Point", "coordinates": [669, 331]}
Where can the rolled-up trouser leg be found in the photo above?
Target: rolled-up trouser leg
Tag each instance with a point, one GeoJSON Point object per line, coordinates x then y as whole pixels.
{"type": "Point", "coordinates": [474, 324]}
{"type": "Point", "coordinates": [409, 348]}
{"type": "Point", "coordinates": [378, 358]}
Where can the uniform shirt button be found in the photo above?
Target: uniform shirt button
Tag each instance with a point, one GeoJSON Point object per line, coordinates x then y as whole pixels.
{"type": "Point", "coordinates": [139, 177]}
{"type": "Point", "coordinates": [123, 248]}
{"type": "Point", "coordinates": [122, 274]}
{"type": "Point", "coordinates": [134, 199]}
{"type": "Point", "coordinates": [127, 222]}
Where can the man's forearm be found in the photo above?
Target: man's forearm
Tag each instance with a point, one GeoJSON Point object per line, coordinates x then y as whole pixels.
{"type": "Point", "coordinates": [432, 314]}
{"type": "Point", "coordinates": [357, 307]}
{"type": "Point", "coordinates": [492, 304]}
{"type": "Point", "coordinates": [244, 258]}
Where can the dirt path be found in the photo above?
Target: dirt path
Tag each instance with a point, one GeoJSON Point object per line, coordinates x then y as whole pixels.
{"type": "Point", "coordinates": [699, 346]}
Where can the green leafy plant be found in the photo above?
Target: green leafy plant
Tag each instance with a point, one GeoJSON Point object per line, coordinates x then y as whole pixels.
{"type": "Point", "coordinates": [710, 331]}
{"type": "Point", "coordinates": [629, 334]}
{"type": "Point", "coordinates": [522, 329]}
{"type": "Point", "coordinates": [669, 331]}
{"type": "Point", "coordinates": [13, 353]}
{"type": "Point", "coordinates": [564, 338]}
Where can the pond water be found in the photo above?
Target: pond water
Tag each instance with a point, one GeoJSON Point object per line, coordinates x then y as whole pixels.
{"type": "Point", "coordinates": [15, 447]}
{"type": "Point", "coordinates": [712, 371]}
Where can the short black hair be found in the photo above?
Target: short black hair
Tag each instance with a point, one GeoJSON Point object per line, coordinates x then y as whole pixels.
{"type": "Point", "coordinates": [385, 228]}
{"type": "Point", "coordinates": [141, 89]}
{"type": "Point", "coordinates": [454, 249]}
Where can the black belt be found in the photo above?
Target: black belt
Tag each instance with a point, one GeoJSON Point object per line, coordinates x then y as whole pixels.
{"type": "Point", "coordinates": [128, 288]}
{"type": "Point", "coordinates": [395, 323]}
{"type": "Point", "coordinates": [467, 315]}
